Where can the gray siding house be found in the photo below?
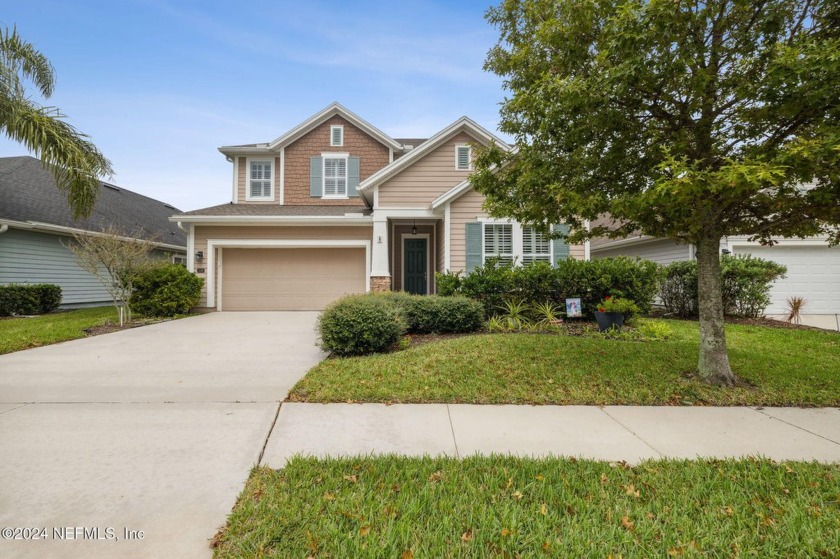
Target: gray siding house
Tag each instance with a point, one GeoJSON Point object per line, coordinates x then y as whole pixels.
{"type": "Point", "coordinates": [35, 220]}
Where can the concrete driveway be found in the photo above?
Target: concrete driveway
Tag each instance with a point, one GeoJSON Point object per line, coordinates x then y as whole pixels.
{"type": "Point", "coordinates": [136, 444]}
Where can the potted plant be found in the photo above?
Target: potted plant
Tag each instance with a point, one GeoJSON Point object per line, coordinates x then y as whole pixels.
{"type": "Point", "coordinates": [612, 311]}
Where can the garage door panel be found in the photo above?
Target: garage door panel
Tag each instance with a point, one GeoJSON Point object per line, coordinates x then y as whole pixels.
{"type": "Point", "coordinates": [813, 273]}
{"type": "Point", "coordinates": [290, 279]}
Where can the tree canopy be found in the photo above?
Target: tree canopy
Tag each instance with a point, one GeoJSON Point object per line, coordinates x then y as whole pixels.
{"type": "Point", "coordinates": [71, 156]}
{"type": "Point", "coordinates": [687, 120]}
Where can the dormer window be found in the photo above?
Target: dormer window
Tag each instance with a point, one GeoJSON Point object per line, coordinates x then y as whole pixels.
{"type": "Point", "coordinates": [336, 136]}
{"type": "Point", "coordinates": [260, 180]}
{"type": "Point", "coordinates": [463, 157]}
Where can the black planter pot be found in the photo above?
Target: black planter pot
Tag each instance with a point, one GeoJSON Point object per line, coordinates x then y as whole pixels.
{"type": "Point", "coordinates": [607, 320]}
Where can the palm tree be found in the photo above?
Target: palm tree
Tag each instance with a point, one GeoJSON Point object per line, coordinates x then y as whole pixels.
{"type": "Point", "coordinates": [70, 155]}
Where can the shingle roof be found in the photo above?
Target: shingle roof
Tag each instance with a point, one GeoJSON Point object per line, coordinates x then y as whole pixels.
{"type": "Point", "coordinates": [29, 193]}
{"type": "Point", "coordinates": [277, 210]}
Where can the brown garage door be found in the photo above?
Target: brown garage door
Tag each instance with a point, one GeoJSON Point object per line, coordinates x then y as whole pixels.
{"type": "Point", "coordinates": [264, 279]}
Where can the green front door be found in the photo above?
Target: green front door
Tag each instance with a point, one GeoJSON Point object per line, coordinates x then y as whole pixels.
{"type": "Point", "coordinates": [414, 256]}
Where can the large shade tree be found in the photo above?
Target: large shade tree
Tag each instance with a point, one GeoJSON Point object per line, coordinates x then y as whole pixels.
{"type": "Point", "coordinates": [687, 120]}
{"type": "Point", "coordinates": [72, 158]}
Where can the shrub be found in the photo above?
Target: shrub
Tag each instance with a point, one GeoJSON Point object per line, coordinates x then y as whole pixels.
{"type": "Point", "coordinates": [165, 290]}
{"type": "Point", "coordinates": [448, 283]}
{"type": "Point", "coordinates": [490, 284]}
{"type": "Point", "coordinates": [361, 324]}
{"type": "Point", "coordinates": [433, 314]}
{"type": "Point", "coordinates": [678, 290]}
{"type": "Point", "coordinates": [591, 281]}
{"type": "Point", "coordinates": [49, 296]}
{"type": "Point", "coordinates": [746, 283]}
{"type": "Point", "coordinates": [745, 286]}
{"type": "Point", "coordinates": [29, 299]}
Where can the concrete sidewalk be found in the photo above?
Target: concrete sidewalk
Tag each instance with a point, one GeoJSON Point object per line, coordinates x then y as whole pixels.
{"type": "Point", "coordinates": [630, 433]}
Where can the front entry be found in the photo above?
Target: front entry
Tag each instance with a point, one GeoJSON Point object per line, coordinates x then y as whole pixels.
{"type": "Point", "coordinates": [415, 279]}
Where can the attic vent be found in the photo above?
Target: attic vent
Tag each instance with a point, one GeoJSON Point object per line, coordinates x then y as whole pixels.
{"type": "Point", "coordinates": [408, 147]}
{"type": "Point", "coordinates": [111, 186]}
{"type": "Point", "coordinates": [168, 206]}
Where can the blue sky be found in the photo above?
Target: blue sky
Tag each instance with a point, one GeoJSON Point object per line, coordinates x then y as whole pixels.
{"type": "Point", "coordinates": [159, 85]}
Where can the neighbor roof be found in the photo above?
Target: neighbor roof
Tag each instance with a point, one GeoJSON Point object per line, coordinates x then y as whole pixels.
{"type": "Point", "coordinates": [28, 194]}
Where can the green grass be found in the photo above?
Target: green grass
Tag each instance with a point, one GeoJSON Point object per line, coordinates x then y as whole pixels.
{"type": "Point", "coordinates": [514, 507]}
{"type": "Point", "coordinates": [785, 367]}
{"type": "Point", "coordinates": [24, 333]}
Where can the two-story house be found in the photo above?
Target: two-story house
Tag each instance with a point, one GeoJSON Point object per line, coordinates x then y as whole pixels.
{"type": "Point", "coordinates": [336, 206]}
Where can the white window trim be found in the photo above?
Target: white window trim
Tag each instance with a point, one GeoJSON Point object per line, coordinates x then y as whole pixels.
{"type": "Point", "coordinates": [332, 128]}
{"type": "Point", "coordinates": [517, 235]}
{"type": "Point", "coordinates": [248, 162]}
{"type": "Point", "coordinates": [324, 157]}
{"type": "Point", "coordinates": [469, 156]}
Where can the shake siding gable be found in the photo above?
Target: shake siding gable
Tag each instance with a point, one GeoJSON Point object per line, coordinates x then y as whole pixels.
{"type": "Point", "coordinates": [371, 153]}
{"type": "Point", "coordinates": [425, 179]}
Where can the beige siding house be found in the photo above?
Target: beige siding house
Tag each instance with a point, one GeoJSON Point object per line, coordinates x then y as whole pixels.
{"type": "Point", "coordinates": [336, 206]}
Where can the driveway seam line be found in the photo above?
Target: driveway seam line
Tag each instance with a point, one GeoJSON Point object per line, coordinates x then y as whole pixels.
{"type": "Point", "coordinates": [796, 426]}
{"type": "Point", "coordinates": [15, 408]}
{"type": "Point", "coordinates": [268, 435]}
{"type": "Point", "coordinates": [452, 430]}
{"type": "Point", "coordinates": [629, 430]}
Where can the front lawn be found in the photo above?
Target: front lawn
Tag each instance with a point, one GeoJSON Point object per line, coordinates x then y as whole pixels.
{"type": "Point", "coordinates": [23, 333]}
{"type": "Point", "coordinates": [516, 507]}
{"type": "Point", "coordinates": [786, 367]}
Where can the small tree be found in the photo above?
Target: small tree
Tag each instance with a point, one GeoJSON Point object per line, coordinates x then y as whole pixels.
{"type": "Point", "coordinates": [686, 120]}
{"type": "Point", "coordinates": [115, 258]}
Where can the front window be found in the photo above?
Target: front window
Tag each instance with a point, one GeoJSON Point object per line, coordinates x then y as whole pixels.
{"type": "Point", "coordinates": [335, 177]}
{"type": "Point", "coordinates": [260, 181]}
{"type": "Point", "coordinates": [498, 242]}
{"type": "Point", "coordinates": [535, 246]}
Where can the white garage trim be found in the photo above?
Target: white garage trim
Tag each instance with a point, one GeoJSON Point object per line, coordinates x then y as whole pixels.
{"type": "Point", "coordinates": [213, 244]}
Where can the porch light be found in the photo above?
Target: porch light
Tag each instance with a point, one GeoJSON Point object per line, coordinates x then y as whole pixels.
{"type": "Point", "coordinates": [199, 255]}
{"type": "Point", "coordinates": [414, 228]}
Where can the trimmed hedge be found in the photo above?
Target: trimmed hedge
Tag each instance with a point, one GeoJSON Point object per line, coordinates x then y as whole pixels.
{"type": "Point", "coordinates": [592, 281]}
{"type": "Point", "coordinates": [745, 285]}
{"type": "Point", "coordinates": [373, 323]}
{"type": "Point", "coordinates": [360, 324]}
{"type": "Point", "coordinates": [165, 290]}
{"type": "Point", "coordinates": [38, 298]}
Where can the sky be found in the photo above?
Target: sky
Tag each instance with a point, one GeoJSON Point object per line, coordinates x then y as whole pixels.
{"type": "Point", "coordinates": [159, 85]}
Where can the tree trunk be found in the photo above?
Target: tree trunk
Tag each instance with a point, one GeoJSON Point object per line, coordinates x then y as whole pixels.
{"type": "Point", "coordinates": [714, 362]}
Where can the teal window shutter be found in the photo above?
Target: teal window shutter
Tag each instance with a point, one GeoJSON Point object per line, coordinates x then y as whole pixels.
{"type": "Point", "coordinates": [316, 181]}
{"type": "Point", "coordinates": [474, 246]}
{"type": "Point", "coordinates": [561, 246]}
{"type": "Point", "coordinates": [352, 176]}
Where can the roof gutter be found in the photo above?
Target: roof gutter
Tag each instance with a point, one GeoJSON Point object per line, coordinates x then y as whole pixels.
{"type": "Point", "coordinates": [50, 228]}
{"type": "Point", "coordinates": [272, 219]}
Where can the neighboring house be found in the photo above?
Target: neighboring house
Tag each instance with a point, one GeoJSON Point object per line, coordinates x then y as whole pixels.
{"type": "Point", "coordinates": [337, 206]}
{"type": "Point", "coordinates": [36, 223]}
{"type": "Point", "coordinates": [813, 269]}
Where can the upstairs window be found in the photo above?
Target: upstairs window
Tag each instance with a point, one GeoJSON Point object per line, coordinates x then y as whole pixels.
{"type": "Point", "coordinates": [336, 136]}
{"type": "Point", "coordinates": [498, 242]}
{"type": "Point", "coordinates": [535, 247]}
{"type": "Point", "coordinates": [463, 155]}
{"type": "Point", "coordinates": [259, 186]}
{"type": "Point", "coordinates": [335, 177]}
